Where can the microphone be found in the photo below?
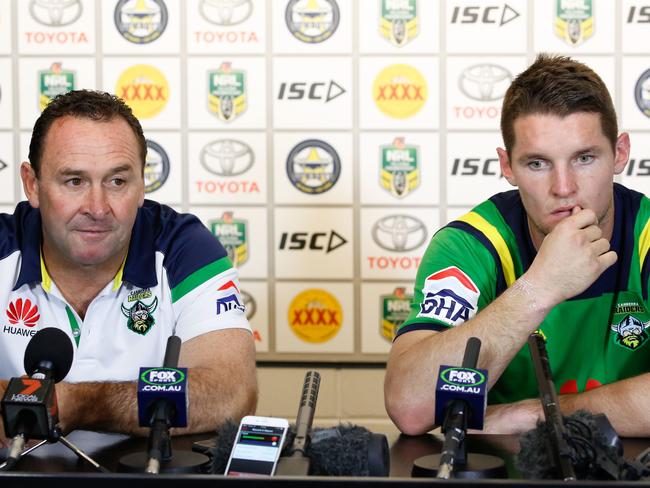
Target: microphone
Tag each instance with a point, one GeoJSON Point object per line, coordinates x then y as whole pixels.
{"type": "Point", "coordinates": [461, 399]}
{"type": "Point", "coordinates": [29, 406]}
{"type": "Point", "coordinates": [557, 436]}
{"type": "Point", "coordinates": [296, 463]}
{"type": "Point", "coordinates": [162, 403]}
{"type": "Point", "coordinates": [580, 446]}
{"type": "Point", "coordinates": [460, 404]}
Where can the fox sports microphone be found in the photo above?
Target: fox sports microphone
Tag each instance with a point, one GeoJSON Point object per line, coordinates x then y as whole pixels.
{"type": "Point", "coordinates": [296, 463]}
{"type": "Point", "coordinates": [29, 406]}
{"type": "Point", "coordinates": [162, 403]}
{"type": "Point", "coordinates": [460, 404]}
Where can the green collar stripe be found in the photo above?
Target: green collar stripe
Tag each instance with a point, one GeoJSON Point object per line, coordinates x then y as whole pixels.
{"type": "Point", "coordinates": [199, 277]}
{"type": "Point", "coordinates": [76, 332]}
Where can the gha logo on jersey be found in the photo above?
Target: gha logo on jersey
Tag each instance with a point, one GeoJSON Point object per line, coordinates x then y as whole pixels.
{"type": "Point", "coordinates": [312, 21]}
{"type": "Point", "coordinates": [140, 21]}
{"type": "Point", "coordinates": [574, 20]}
{"type": "Point", "coordinates": [398, 21]}
{"type": "Point", "coordinates": [229, 299]}
{"type": "Point", "coordinates": [399, 171]}
{"type": "Point", "coordinates": [53, 82]}
{"type": "Point", "coordinates": [140, 316]}
{"type": "Point", "coordinates": [226, 92]}
{"type": "Point", "coordinates": [449, 296]}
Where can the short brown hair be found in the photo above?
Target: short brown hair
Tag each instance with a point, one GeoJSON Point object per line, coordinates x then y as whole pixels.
{"type": "Point", "coordinates": [557, 85]}
{"type": "Point", "coordinates": [90, 104]}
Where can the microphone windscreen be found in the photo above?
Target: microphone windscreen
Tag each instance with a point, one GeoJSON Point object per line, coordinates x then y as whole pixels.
{"type": "Point", "coordinates": [595, 450]}
{"type": "Point", "coordinates": [346, 450]}
{"type": "Point", "coordinates": [49, 344]}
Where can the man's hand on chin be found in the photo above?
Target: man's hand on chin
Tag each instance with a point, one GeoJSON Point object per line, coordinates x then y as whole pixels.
{"type": "Point", "coordinates": [512, 418]}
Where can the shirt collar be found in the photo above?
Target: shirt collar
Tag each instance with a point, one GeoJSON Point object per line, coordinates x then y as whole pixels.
{"type": "Point", "coordinates": [139, 268]}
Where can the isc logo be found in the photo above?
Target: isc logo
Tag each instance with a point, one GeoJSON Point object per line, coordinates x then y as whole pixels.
{"type": "Point", "coordinates": [638, 167]}
{"type": "Point", "coordinates": [311, 91]}
{"type": "Point", "coordinates": [638, 15]}
{"type": "Point", "coordinates": [317, 241]}
{"type": "Point", "coordinates": [489, 14]}
{"type": "Point", "coordinates": [474, 166]}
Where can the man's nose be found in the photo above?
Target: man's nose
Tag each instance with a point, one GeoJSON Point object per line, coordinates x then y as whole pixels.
{"type": "Point", "coordinates": [564, 181]}
{"type": "Point", "coordinates": [96, 202]}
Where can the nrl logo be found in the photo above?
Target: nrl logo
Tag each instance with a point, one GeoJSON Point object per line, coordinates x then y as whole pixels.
{"type": "Point", "coordinates": [398, 22]}
{"type": "Point", "coordinates": [140, 316]}
{"type": "Point", "coordinates": [630, 332]}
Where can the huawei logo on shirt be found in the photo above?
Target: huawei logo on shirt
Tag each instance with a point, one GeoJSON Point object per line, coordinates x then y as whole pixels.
{"type": "Point", "coordinates": [23, 311]}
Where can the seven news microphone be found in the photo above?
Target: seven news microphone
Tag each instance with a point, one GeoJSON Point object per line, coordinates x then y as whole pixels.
{"type": "Point", "coordinates": [29, 406]}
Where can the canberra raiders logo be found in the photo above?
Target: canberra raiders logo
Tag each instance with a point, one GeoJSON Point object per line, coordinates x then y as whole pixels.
{"type": "Point", "coordinates": [140, 316]}
{"type": "Point", "coordinates": [400, 172]}
{"type": "Point", "coordinates": [630, 321]}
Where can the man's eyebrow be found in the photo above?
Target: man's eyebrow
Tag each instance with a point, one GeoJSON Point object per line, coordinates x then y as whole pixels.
{"type": "Point", "coordinates": [123, 168]}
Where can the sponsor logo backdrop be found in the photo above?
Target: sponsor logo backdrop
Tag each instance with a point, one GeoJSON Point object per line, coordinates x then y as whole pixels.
{"type": "Point", "coordinates": [323, 141]}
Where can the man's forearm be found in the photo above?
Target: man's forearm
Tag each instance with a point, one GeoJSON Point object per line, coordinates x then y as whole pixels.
{"type": "Point", "coordinates": [503, 328]}
{"type": "Point", "coordinates": [624, 402]}
{"type": "Point", "coordinates": [112, 407]}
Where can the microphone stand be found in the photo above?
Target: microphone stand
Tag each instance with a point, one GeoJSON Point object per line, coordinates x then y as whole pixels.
{"type": "Point", "coordinates": [56, 436]}
{"type": "Point", "coordinates": [453, 461]}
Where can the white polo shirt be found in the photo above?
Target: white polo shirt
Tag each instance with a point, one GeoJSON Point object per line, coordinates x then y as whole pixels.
{"type": "Point", "coordinates": [177, 278]}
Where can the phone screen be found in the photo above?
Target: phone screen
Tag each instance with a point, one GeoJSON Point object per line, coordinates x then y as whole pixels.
{"type": "Point", "coordinates": [256, 450]}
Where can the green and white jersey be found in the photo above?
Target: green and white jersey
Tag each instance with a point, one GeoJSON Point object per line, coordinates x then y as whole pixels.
{"type": "Point", "coordinates": [176, 279]}
{"type": "Point", "coordinates": [595, 338]}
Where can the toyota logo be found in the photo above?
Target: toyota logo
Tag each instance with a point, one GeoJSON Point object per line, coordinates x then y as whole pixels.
{"type": "Point", "coordinates": [484, 82]}
{"type": "Point", "coordinates": [399, 233]}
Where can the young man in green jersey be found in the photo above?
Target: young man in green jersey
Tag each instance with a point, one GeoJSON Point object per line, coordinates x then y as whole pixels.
{"type": "Point", "coordinates": [565, 253]}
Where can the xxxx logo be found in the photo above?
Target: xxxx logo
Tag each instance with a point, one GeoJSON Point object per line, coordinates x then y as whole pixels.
{"type": "Point", "coordinates": [315, 315]}
{"type": "Point", "coordinates": [23, 311]}
{"type": "Point", "coordinates": [137, 91]}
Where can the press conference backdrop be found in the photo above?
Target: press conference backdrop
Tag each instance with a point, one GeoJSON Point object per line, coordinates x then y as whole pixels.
{"type": "Point", "coordinates": [323, 141]}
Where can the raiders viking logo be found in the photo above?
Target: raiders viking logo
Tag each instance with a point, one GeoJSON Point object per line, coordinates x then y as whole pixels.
{"type": "Point", "coordinates": [630, 321]}
{"type": "Point", "coordinates": [140, 316]}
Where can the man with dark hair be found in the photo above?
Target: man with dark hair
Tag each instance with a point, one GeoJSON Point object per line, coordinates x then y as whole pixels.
{"type": "Point", "coordinates": [119, 274]}
{"type": "Point", "coordinates": [566, 254]}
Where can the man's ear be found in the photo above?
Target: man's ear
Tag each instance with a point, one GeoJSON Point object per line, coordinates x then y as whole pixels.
{"type": "Point", "coordinates": [621, 152]}
{"type": "Point", "coordinates": [506, 167]}
{"type": "Point", "coordinates": [30, 183]}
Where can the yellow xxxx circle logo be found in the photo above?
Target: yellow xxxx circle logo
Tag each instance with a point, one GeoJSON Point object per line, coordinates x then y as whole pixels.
{"type": "Point", "coordinates": [315, 315]}
{"type": "Point", "coordinates": [399, 91]}
{"type": "Point", "coordinates": [145, 89]}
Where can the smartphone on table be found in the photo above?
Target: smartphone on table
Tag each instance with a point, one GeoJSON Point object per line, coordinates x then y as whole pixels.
{"type": "Point", "coordinates": [257, 446]}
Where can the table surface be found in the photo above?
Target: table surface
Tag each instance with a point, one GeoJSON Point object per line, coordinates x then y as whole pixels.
{"type": "Point", "coordinates": [107, 449]}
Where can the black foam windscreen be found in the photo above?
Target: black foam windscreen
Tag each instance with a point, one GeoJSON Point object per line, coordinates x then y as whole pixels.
{"type": "Point", "coordinates": [595, 450]}
{"type": "Point", "coordinates": [345, 450]}
{"type": "Point", "coordinates": [53, 345]}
